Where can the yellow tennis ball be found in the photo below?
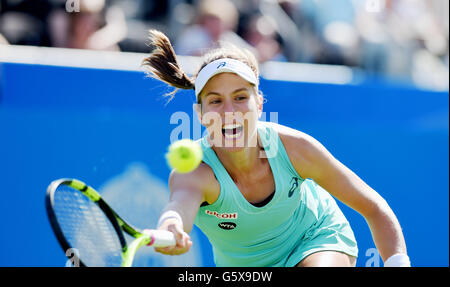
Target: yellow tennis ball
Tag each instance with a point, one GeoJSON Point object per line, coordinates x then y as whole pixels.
{"type": "Point", "coordinates": [184, 155]}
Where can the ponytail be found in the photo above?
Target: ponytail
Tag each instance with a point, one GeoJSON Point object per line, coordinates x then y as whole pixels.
{"type": "Point", "coordinates": [163, 65]}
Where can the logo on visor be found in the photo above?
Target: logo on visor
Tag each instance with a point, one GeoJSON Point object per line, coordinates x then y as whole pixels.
{"type": "Point", "coordinates": [221, 65]}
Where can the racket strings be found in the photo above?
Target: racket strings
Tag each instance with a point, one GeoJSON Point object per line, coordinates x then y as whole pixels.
{"type": "Point", "coordinates": [86, 227]}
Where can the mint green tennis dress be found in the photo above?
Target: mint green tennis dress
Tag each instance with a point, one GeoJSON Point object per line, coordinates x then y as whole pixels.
{"type": "Point", "coordinates": [301, 218]}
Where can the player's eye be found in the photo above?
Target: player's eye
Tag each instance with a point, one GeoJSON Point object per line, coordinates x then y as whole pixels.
{"type": "Point", "coordinates": [214, 102]}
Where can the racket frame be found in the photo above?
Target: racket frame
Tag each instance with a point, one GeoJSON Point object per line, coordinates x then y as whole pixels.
{"type": "Point", "coordinates": [117, 222]}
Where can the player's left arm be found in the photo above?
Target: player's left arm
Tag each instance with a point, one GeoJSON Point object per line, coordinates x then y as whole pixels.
{"type": "Point", "coordinates": [312, 160]}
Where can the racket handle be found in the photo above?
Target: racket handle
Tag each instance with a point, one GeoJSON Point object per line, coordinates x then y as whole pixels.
{"type": "Point", "coordinates": [160, 238]}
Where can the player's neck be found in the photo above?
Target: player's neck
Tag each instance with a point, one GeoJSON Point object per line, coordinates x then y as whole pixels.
{"type": "Point", "coordinates": [240, 163]}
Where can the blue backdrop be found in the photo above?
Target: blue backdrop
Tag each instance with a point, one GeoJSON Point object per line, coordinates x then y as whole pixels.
{"type": "Point", "coordinates": [91, 124]}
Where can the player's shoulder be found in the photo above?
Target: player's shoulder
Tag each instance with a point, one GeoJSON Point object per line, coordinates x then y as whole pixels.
{"type": "Point", "coordinates": [300, 146]}
{"type": "Point", "coordinates": [290, 136]}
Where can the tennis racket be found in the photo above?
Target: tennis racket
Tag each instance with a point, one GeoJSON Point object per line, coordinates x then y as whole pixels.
{"type": "Point", "coordinates": [90, 231]}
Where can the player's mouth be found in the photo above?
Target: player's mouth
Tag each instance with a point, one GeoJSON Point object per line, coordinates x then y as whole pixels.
{"type": "Point", "coordinates": [232, 131]}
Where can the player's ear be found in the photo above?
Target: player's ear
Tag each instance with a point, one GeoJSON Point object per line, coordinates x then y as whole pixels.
{"type": "Point", "coordinates": [260, 102]}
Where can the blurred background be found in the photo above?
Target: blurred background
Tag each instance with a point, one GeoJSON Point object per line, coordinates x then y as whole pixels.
{"type": "Point", "coordinates": [367, 78]}
{"type": "Point", "coordinates": [405, 39]}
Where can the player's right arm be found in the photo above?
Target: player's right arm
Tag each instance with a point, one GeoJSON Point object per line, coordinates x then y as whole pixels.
{"type": "Point", "coordinates": [187, 192]}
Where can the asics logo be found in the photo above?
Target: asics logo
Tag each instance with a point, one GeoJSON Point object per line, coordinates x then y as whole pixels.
{"type": "Point", "coordinates": [222, 64]}
{"type": "Point", "coordinates": [294, 185]}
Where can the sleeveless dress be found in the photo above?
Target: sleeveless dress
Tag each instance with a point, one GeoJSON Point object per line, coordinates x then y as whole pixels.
{"type": "Point", "coordinates": [301, 218]}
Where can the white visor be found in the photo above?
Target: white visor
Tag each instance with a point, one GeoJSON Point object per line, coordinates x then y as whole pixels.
{"type": "Point", "coordinates": [223, 66]}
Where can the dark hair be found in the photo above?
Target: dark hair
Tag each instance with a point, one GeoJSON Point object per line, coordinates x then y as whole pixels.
{"type": "Point", "coordinates": [163, 65]}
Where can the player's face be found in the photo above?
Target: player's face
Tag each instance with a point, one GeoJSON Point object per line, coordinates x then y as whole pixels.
{"type": "Point", "coordinates": [230, 108]}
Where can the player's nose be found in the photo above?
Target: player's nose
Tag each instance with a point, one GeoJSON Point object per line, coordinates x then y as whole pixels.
{"type": "Point", "coordinates": [228, 106]}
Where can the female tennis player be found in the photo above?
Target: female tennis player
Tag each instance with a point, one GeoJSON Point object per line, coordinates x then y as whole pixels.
{"type": "Point", "coordinates": [262, 194]}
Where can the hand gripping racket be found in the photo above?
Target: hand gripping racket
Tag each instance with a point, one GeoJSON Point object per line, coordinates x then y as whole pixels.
{"type": "Point", "coordinates": [90, 232]}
